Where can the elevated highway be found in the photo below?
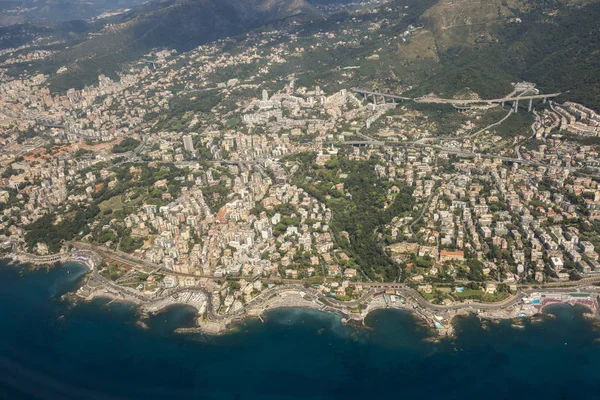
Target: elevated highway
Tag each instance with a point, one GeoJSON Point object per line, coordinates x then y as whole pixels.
{"type": "Point", "coordinates": [466, 102]}
{"type": "Point", "coordinates": [459, 104]}
{"type": "Point", "coordinates": [374, 96]}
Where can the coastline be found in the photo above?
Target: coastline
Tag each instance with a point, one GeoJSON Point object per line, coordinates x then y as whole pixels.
{"type": "Point", "coordinates": [440, 319]}
{"type": "Point", "coordinates": [296, 297]}
{"type": "Point", "coordinates": [101, 340]}
{"type": "Point", "coordinates": [86, 259]}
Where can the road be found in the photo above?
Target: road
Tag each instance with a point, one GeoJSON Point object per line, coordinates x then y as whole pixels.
{"type": "Point", "coordinates": [119, 256]}
{"type": "Point", "coordinates": [518, 146]}
{"type": "Point", "coordinates": [490, 126]}
{"type": "Point", "coordinates": [510, 112]}
{"type": "Point", "coordinates": [149, 268]}
{"type": "Point", "coordinates": [429, 99]}
{"type": "Point", "coordinates": [425, 207]}
{"type": "Point", "coordinates": [390, 96]}
{"type": "Point", "coordinates": [372, 289]}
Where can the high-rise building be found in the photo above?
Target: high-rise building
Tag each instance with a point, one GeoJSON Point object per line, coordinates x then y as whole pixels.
{"type": "Point", "coordinates": [188, 144]}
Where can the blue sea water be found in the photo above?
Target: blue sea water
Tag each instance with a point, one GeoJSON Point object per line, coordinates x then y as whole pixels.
{"type": "Point", "coordinates": [52, 349]}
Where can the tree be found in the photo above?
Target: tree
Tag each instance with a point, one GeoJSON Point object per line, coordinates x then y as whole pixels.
{"type": "Point", "coordinates": [127, 144]}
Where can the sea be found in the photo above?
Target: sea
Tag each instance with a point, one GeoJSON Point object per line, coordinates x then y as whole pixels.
{"type": "Point", "coordinates": [54, 348]}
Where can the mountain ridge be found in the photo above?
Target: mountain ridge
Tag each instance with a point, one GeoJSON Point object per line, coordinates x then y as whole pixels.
{"type": "Point", "coordinates": [180, 25]}
{"type": "Point", "coordinates": [473, 45]}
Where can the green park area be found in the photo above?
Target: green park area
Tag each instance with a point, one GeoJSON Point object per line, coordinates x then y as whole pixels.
{"type": "Point", "coordinates": [118, 203]}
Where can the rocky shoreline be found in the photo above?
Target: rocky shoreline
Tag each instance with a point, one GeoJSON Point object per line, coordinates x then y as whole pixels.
{"type": "Point", "coordinates": [439, 318]}
{"type": "Point", "coordinates": [442, 324]}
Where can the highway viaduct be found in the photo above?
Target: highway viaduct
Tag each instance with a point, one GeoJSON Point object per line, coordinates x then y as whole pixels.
{"type": "Point", "coordinates": [459, 104]}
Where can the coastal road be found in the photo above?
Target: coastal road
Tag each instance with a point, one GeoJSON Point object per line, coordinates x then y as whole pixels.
{"type": "Point", "coordinates": [262, 300]}
{"type": "Point", "coordinates": [119, 256]}
{"type": "Point", "coordinates": [372, 289]}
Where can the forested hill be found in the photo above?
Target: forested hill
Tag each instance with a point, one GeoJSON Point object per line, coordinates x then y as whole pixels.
{"type": "Point", "coordinates": [552, 43]}
{"type": "Point", "coordinates": [180, 25]}
{"type": "Point", "coordinates": [565, 55]}
{"type": "Point", "coordinates": [454, 47]}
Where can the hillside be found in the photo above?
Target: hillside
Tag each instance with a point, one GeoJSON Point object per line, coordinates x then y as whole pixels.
{"type": "Point", "coordinates": [453, 47]}
{"type": "Point", "coordinates": [41, 33]}
{"type": "Point", "coordinates": [460, 46]}
{"type": "Point", "coordinates": [19, 11]}
{"type": "Point", "coordinates": [8, 20]}
{"type": "Point", "coordinates": [180, 25]}
{"type": "Point", "coordinates": [484, 45]}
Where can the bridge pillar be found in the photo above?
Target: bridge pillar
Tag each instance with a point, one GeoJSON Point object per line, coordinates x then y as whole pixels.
{"type": "Point", "coordinates": [516, 105]}
{"type": "Point", "coordinates": [530, 105]}
{"type": "Point", "coordinates": [544, 100]}
{"type": "Point", "coordinates": [375, 99]}
{"type": "Point", "coordinates": [503, 104]}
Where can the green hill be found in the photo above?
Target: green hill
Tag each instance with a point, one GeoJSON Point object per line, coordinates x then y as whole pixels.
{"type": "Point", "coordinates": [456, 46]}
{"type": "Point", "coordinates": [180, 25]}
{"type": "Point", "coordinates": [465, 46]}
{"type": "Point", "coordinates": [486, 46]}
